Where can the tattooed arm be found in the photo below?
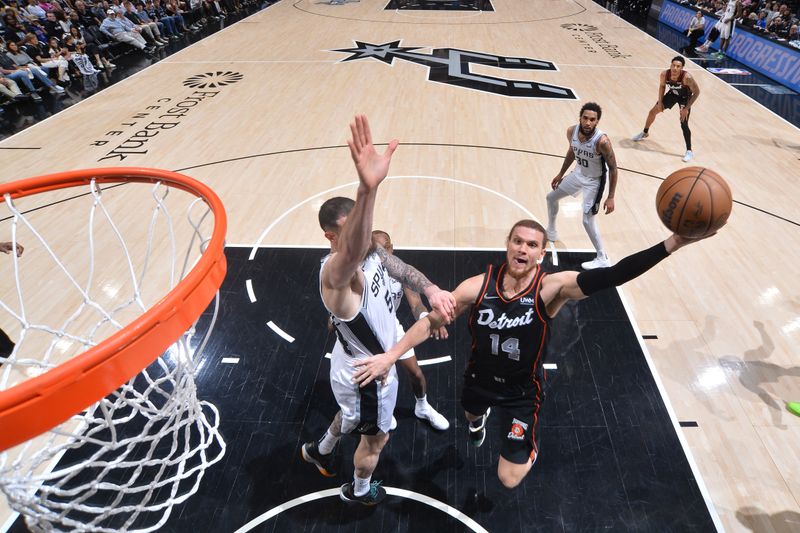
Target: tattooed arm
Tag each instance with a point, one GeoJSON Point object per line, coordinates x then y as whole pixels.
{"type": "Point", "coordinates": [415, 280]}
{"type": "Point", "coordinates": [605, 148]}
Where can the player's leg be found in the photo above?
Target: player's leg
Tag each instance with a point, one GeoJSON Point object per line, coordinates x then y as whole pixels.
{"type": "Point", "coordinates": [422, 409]}
{"type": "Point", "coordinates": [320, 453]}
{"type": "Point", "coordinates": [476, 411]}
{"type": "Point", "coordinates": [687, 137]}
{"type": "Point", "coordinates": [520, 444]}
{"type": "Point", "coordinates": [590, 191]}
{"type": "Point", "coordinates": [651, 117]}
{"type": "Point", "coordinates": [568, 186]}
{"type": "Point", "coordinates": [362, 489]}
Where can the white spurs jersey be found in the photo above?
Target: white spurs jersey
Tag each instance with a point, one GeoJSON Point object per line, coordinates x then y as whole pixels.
{"type": "Point", "coordinates": [730, 11]}
{"type": "Point", "coordinates": [373, 330]}
{"type": "Point", "coordinates": [590, 161]}
{"type": "Point", "coordinates": [396, 290]}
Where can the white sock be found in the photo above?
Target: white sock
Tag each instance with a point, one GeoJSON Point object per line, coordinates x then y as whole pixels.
{"type": "Point", "coordinates": [422, 403]}
{"type": "Point", "coordinates": [360, 486]}
{"type": "Point", "coordinates": [327, 443]}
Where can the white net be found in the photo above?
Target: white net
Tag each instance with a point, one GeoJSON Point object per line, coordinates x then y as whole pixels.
{"type": "Point", "coordinates": [124, 462]}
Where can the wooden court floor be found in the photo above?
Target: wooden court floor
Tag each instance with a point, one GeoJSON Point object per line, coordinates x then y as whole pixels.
{"type": "Point", "coordinates": [260, 110]}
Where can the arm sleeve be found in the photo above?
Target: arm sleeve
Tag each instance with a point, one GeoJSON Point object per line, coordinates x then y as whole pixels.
{"type": "Point", "coordinates": [630, 267]}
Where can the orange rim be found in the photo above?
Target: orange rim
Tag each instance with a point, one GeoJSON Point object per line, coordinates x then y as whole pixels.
{"type": "Point", "coordinates": [41, 403]}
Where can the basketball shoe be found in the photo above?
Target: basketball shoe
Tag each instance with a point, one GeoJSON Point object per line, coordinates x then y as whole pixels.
{"type": "Point", "coordinates": [436, 420]}
{"type": "Point", "coordinates": [601, 261]}
{"type": "Point", "coordinates": [477, 434]}
{"type": "Point", "coordinates": [687, 156]}
{"type": "Point", "coordinates": [375, 495]}
{"type": "Point", "coordinates": [311, 454]}
{"type": "Point", "coordinates": [639, 136]}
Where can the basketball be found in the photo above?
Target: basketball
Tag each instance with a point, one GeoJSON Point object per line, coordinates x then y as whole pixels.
{"type": "Point", "coordinates": [694, 202]}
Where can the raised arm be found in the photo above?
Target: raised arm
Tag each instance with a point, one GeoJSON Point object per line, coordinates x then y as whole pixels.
{"type": "Point", "coordinates": [415, 280]}
{"type": "Point", "coordinates": [356, 235]}
{"type": "Point", "coordinates": [605, 148]}
{"type": "Point", "coordinates": [378, 366]}
{"type": "Point", "coordinates": [559, 288]}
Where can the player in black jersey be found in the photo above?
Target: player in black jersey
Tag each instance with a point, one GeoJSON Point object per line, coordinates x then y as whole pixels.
{"type": "Point", "coordinates": [676, 86]}
{"type": "Point", "coordinates": [510, 310]}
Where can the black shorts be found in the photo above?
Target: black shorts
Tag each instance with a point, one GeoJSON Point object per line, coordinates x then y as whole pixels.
{"type": "Point", "coordinates": [519, 420]}
{"type": "Point", "coordinates": [670, 99]}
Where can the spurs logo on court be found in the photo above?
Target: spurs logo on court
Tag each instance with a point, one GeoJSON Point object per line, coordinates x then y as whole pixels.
{"type": "Point", "coordinates": [212, 80]}
{"type": "Point", "coordinates": [452, 67]}
{"type": "Point", "coordinates": [579, 27]}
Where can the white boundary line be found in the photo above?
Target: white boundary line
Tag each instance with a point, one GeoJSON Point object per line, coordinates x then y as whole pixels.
{"type": "Point", "coordinates": [675, 424]}
{"type": "Point", "coordinates": [327, 493]}
{"type": "Point", "coordinates": [279, 331]}
{"type": "Point", "coordinates": [250, 293]}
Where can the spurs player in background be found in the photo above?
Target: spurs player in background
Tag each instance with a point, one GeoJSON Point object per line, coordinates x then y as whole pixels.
{"type": "Point", "coordinates": [510, 310]}
{"type": "Point", "coordinates": [354, 286]}
{"type": "Point", "coordinates": [675, 86]}
{"type": "Point", "coordinates": [592, 150]}
{"type": "Point", "coordinates": [422, 409]}
{"type": "Point", "coordinates": [723, 28]}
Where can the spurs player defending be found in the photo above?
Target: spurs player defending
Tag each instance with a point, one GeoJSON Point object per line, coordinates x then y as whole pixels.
{"type": "Point", "coordinates": [354, 286]}
{"type": "Point", "coordinates": [592, 150]}
{"type": "Point", "coordinates": [422, 410]}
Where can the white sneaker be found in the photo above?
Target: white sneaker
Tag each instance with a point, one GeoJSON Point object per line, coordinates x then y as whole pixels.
{"type": "Point", "coordinates": [552, 235]}
{"type": "Point", "coordinates": [57, 89]}
{"type": "Point", "coordinates": [688, 156]}
{"type": "Point", "coordinates": [597, 262]}
{"type": "Point", "coordinates": [435, 418]}
{"type": "Point", "coordinates": [393, 425]}
{"type": "Point", "coordinates": [639, 136]}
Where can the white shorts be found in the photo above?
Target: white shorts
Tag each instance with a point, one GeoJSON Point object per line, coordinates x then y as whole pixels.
{"type": "Point", "coordinates": [726, 30]}
{"type": "Point", "coordinates": [365, 410]}
{"type": "Point", "coordinates": [575, 182]}
{"type": "Point", "coordinates": [400, 333]}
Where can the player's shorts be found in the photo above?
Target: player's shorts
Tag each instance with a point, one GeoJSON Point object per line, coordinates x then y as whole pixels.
{"type": "Point", "coordinates": [400, 332]}
{"type": "Point", "coordinates": [518, 417]}
{"type": "Point", "coordinates": [670, 99]}
{"type": "Point", "coordinates": [726, 29]}
{"type": "Point", "coordinates": [575, 182]}
{"type": "Point", "coordinates": [366, 410]}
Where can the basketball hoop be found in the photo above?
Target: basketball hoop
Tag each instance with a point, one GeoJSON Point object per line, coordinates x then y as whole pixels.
{"type": "Point", "coordinates": [109, 384]}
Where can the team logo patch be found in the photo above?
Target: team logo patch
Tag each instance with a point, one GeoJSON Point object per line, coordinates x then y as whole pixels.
{"type": "Point", "coordinates": [518, 429]}
{"type": "Point", "coordinates": [452, 66]}
{"type": "Point", "coordinates": [211, 80]}
{"type": "Point", "coordinates": [579, 27]}
{"type": "Point", "coordinates": [526, 300]}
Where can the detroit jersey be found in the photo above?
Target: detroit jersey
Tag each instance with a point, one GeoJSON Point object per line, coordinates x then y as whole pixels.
{"type": "Point", "coordinates": [372, 330]}
{"type": "Point", "coordinates": [590, 161]}
{"type": "Point", "coordinates": [509, 336]}
{"type": "Point", "coordinates": [677, 87]}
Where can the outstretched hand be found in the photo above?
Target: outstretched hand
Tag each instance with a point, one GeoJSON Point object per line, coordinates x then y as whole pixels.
{"type": "Point", "coordinates": [8, 247]}
{"type": "Point", "coordinates": [372, 167]}
{"type": "Point", "coordinates": [445, 303]}
{"type": "Point", "coordinates": [372, 368]}
{"type": "Point", "coordinates": [676, 241]}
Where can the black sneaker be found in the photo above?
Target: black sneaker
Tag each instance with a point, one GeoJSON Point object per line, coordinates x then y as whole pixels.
{"type": "Point", "coordinates": [375, 495]}
{"type": "Point", "coordinates": [477, 434]}
{"type": "Point", "coordinates": [310, 453]}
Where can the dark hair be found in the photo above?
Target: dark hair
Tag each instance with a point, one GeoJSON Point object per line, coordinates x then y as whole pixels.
{"type": "Point", "coordinates": [531, 224]}
{"type": "Point", "coordinates": [591, 106]}
{"type": "Point", "coordinates": [679, 59]}
{"type": "Point", "coordinates": [332, 210]}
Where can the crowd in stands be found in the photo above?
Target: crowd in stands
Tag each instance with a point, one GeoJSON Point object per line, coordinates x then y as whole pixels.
{"type": "Point", "coordinates": [46, 43]}
{"type": "Point", "coordinates": [776, 21]}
